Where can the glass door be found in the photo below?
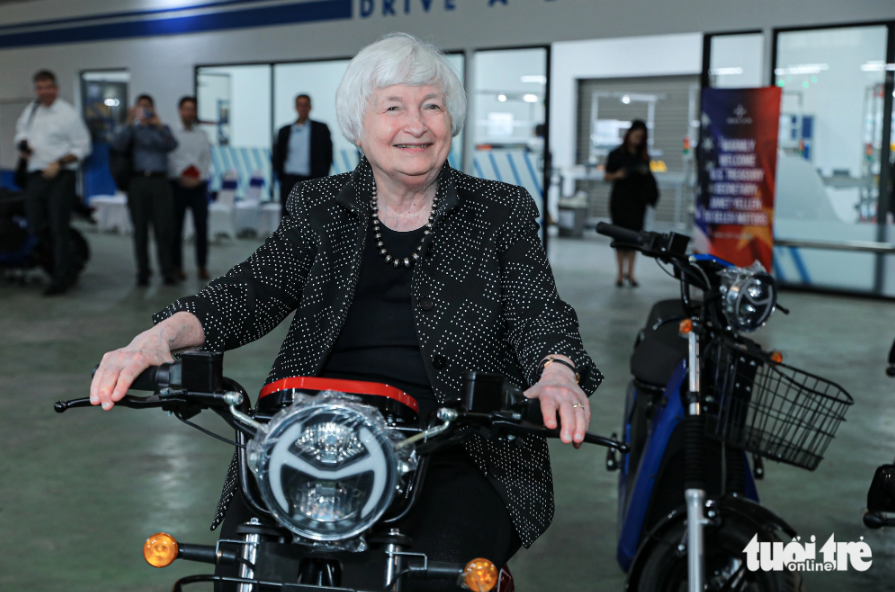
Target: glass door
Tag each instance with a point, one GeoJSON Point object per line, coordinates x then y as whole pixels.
{"type": "Point", "coordinates": [104, 104]}
{"type": "Point", "coordinates": [828, 171]}
{"type": "Point", "coordinates": [509, 126]}
{"type": "Point", "coordinates": [234, 104]}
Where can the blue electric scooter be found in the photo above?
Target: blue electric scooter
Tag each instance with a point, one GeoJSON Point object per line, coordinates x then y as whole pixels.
{"type": "Point", "coordinates": [20, 250]}
{"type": "Point", "coordinates": [701, 398]}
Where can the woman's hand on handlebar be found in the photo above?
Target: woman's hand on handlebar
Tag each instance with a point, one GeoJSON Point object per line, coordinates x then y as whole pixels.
{"type": "Point", "coordinates": [558, 392]}
{"type": "Point", "coordinates": [152, 347]}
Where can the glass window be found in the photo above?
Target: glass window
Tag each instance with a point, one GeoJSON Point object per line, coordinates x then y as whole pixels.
{"type": "Point", "coordinates": [735, 61]}
{"type": "Point", "coordinates": [455, 158]}
{"type": "Point", "coordinates": [234, 108]}
{"type": "Point", "coordinates": [104, 105]}
{"type": "Point", "coordinates": [828, 168]}
{"type": "Point", "coordinates": [508, 98]}
{"type": "Point", "coordinates": [318, 80]}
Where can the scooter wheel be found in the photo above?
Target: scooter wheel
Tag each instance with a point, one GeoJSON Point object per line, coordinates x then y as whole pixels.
{"type": "Point", "coordinates": [665, 569]}
{"type": "Point", "coordinates": [79, 249]}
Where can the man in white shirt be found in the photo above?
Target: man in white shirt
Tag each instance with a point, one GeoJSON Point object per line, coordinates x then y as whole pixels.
{"type": "Point", "coordinates": [188, 168]}
{"type": "Point", "coordinates": [54, 139]}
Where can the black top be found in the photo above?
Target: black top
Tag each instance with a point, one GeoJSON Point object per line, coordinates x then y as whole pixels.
{"type": "Point", "coordinates": [631, 195]}
{"type": "Point", "coordinates": [379, 340]}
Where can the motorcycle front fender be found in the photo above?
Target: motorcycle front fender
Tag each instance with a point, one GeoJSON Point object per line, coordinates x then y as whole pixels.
{"type": "Point", "coordinates": [747, 511]}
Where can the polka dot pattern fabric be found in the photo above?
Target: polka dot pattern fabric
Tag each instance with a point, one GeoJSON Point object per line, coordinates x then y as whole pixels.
{"type": "Point", "coordinates": [483, 299]}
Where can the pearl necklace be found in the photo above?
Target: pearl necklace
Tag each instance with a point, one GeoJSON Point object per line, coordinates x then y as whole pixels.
{"type": "Point", "coordinates": [377, 234]}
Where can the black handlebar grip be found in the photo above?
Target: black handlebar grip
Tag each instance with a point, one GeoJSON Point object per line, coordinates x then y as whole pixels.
{"type": "Point", "coordinates": [151, 379]}
{"type": "Point", "coordinates": [532, 412]}
{"type": "Point", "coordinates": [147, 380]}
{"type": "Point", "coordinates": [620, 234]}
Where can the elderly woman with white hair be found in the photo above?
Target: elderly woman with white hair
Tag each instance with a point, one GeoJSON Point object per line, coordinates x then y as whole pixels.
{"type": "Point", "coordinates": [408, 272]}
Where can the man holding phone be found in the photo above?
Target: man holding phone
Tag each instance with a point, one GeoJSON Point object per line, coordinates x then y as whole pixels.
{"type": "Point", "coordinates": [149, 198]}
{"type": "Point", "coordinates": [52, 137]}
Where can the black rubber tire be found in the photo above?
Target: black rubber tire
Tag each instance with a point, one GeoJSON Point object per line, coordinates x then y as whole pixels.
{"type": "Point", "coordinates": [80, 250]}
{"type": "Point", "coordinates": [665, 569]}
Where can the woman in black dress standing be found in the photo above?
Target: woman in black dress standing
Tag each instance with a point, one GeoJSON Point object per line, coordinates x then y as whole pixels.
{"type": "Point", "coordinates": [633, 188]}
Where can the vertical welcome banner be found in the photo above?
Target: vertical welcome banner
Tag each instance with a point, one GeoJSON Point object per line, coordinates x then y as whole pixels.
{"type": "Point", "coordinates": [737, 161]}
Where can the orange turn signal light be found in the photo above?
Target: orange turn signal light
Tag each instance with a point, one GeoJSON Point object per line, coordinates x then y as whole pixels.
{"type": "Point", "coordinates": [686, 327]}
{"type": "Point", "coordinates": [480, 575]}
{"type": "Point", "coordinates": [160, 550]}
{"type": "Point", "coordinates": [776, 357]}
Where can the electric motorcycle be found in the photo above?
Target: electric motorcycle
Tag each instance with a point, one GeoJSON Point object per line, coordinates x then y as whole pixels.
{"type": "Point", "coordinates": [21, 250]}
{"type": "Point", "coordinates": [701, 398]}
{"type": "Point", "coordinates": [326, 468]}
{"type": "Point", "coordinates": [881, 495]}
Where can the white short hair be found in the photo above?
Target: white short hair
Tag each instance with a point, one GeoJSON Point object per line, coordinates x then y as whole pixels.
{"type": "Point", "coordinates": [397, 58]}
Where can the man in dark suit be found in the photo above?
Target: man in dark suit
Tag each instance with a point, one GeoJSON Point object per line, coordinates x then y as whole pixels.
{"type": "Point", "coordinates": [304, 150]}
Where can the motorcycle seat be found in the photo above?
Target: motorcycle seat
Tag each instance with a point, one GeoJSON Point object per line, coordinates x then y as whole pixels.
{"type": "Point", "coordinates": [660, 349]}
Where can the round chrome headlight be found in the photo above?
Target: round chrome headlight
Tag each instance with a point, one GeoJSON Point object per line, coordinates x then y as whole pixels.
{"type": "Point", "coordinates": [326, 467]}
{"type": "Point", "coordinates": [749, 297]}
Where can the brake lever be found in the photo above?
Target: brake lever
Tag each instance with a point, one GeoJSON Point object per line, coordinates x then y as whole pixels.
{"type": "Point", "coordinates": [126, 401]}
{"type": "Point", "coordinates": [526, 428]}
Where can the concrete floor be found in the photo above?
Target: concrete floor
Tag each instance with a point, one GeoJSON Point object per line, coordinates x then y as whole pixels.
{"type": "Point", "coordinates": [80, 492]}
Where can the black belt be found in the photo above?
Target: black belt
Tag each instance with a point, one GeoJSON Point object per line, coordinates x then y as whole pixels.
{"type": "Point", "coordinates": [151, 174]}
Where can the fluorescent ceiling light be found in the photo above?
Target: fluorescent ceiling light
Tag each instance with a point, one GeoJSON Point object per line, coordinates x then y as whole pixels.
{"type": "Point", "coordinates": [877, 66]}
{"type": "Point", "coordinates": [802, 69]}
{"type": "Point", "coordinates": [626, 99]}
{"type": "Point", "coordinates": [725, 71]}
{"type": "Point", "coordinates": [111, 102]}
{"type": "Point", "coordinates": [502, 98]}
{"type": "Point", "coordinates": [536, 79]}
{"type": "Point", "coordinates": [530, 98]}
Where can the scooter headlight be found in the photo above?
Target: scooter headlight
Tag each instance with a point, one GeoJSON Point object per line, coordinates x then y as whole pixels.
{"type": "Point", "coordinates": [749, 296]}
{"type": "Point", "coordinates": [326, 467]}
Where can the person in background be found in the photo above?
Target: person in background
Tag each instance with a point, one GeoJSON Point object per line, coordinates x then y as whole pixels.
{"type": "Point", "coordinates": [304, 150]}
{"type": "Point", "coordinates": [149, 194]}
{"type": "Point", "coordinates": [51, 135]}
{"type": "Point", "coordinates": [188, 168]}
{"type": "Point", "coordinates": [633, 188]}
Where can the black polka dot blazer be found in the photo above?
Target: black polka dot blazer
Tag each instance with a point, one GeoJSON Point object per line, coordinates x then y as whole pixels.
{"type": "Point", "coordinates": [483, 299]}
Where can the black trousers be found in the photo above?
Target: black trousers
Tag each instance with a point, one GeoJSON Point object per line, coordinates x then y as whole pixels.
{"type": "Point", "coordinates": [287, 182]}
{"type": "Point", "coordinates": [48, 208]}
{"type": "Point", "coordinates": [459, 517]}
{"type": "Point", "coordinates": [194, 199]}
{"type": "Point", "coordinates": [150, 203]}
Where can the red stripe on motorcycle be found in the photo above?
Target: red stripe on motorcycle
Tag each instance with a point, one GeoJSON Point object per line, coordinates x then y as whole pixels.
{"type": "Point", "coordinates": [354, 387]}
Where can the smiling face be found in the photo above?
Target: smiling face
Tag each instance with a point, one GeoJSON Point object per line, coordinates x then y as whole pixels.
{"type": "Point", "coordinates": [407, 133]}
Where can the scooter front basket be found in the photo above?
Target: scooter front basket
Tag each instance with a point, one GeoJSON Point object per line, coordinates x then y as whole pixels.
{"type": "Point", "coordinates": [771, 409]}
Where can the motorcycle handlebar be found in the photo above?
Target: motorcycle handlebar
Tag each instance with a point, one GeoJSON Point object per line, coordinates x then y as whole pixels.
{"type": "Point", "coordinates": [159, 378]}
{"type": "Point", "coordinates": [154, 378]}
{"type": "Point", "coordinates": [620, 234]}
{"type": "Point", "coordinates": [146, 381]}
